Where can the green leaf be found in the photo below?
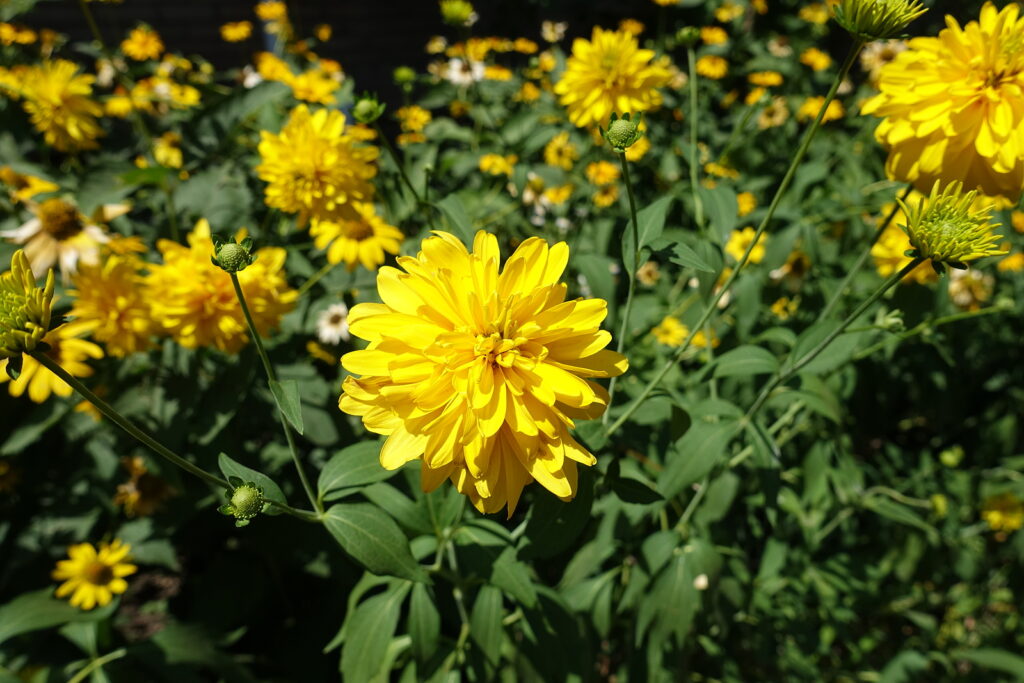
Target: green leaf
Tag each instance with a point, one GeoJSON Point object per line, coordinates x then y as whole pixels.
{"type": "Point", "coordinates": [554, 525]}
{"type": "Point", "coordinates": [694, 455]}
{"type": "Point", "coordinates": [458, 220]}
{"type": "Point", "coordinates": [424, 623]}
{"type": "Point", "coordinates": [633, 491]}
{"type": "Point", "coordinates": [373, 539]}
{"type": "Point", "coordinates": [890, 509]}
{"type": "Point", "coordinates": [684, 256]}
{"type": "Point", "coordinates": [992, 658]}
{"type": "Point", "coordinates": [485, 623]}
{"type": "Point", "coordinates": [596, 268]}
{"type": "Point", "coordinates": [286, 394]}
{"type": "Point", "coordinates": [650, 223]}
{"type": "Point", "coordinates": [271, 491]}
{"type": "Point", "coordinates": [490, 555]}
{"type": "Point", "coordinates": [369, 634]}
{"type": "Point", "coordinates": [39, 609]}
{"type": "Point", "coordinates": [745, 361]}
{"type": "Point", "coordinates": [355, 465]}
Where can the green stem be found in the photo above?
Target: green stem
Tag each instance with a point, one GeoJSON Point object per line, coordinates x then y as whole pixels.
{"type": "Point", "coordinates": [397, 160]}
{"type": "Point", "coordinates": [713, 304]}
{"type": "Point", "coordinates": [272, 378]}
{"type": "Point", "coordinates": [97, 664]}
{"type": "Point", "coordinates": [862, 259]}
{"type": "Point", "coordinates": [315, 278]}
{"type": "Point", "coordinates": [925, 326]}
{"type": "Point", "coordinates": [172, 213]}
{"type": "Point", "coordinates": [698, 204]}
{"type": "Point", "coordinates": [633, 268]}
{"type": "Point", "coordinates": [784, 375]}
{"type": "Point", "coordinates": [93, 27]}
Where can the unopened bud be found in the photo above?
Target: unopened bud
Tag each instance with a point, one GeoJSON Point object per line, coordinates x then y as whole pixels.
{"type": "Point", "coordinates": [623, 132]}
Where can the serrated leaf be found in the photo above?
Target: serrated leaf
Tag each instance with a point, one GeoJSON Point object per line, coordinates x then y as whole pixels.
{"type": "Point", "coordinates": [373, 539]}
{"type": "Point", "coordinates": [286, 394]}
{"type": "Point", "coordinates": [233, 471]}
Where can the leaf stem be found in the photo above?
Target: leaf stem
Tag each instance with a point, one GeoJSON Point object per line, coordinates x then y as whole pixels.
{"type": "Point", "coordinates": [398, 161]}
{"type": "Point", "coordinates": [698, 204]}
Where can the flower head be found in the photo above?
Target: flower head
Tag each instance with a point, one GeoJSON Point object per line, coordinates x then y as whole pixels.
{"type": "Point", "coordinates": [109, 296]}
{"type": "Point", "coordinates": [236, 31]}
{"type": "Point", "coordinates": [143, 43]}
{"type": "Point", "coordinates": [57, 100]}
{"type": "Point", "coordinates": [363, 238]}
{"type": "Point", "coordinates": [561, 152]}
{"type": "Point", "coordinates": [93, 577]}
{"type": "Point", "coordinates": [24, 308]}
{"type": "Point", "coordinates": [877, 19]}
{"type": "Point", "coordinates": [949, 228]}
{"type": "Point", "coordinates": [1003, 512]}
{"type": "Point", "coordinates": [478, 372]}
{"type": "Point", "coordinates": [610, 73]}
{"type": "Point", "coordinates": [65, 347]}
{"type": "Point", "coordinates": [332, 324]}
{"type": "Point", "coordinates": [316, 167]}
{"type": "Point", "coordinates": [951, 106]}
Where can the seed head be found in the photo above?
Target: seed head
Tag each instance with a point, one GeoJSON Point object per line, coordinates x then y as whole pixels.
{"type": "Point", "coordinates": [245, 502]}
{"type": "Point", "coordinates": [232, 257]}
{"type": "Point", "coordinates": [623, 132]}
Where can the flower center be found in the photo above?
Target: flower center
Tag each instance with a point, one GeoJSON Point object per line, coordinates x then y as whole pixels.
{"type": "Point", "coordinates": [495, 349]}
{"type": "Point", "coordinates": [98, 574]}
{"type": "Point", "coordinates": [59, 218]}
{"type": "Point", "coordinates": [358, 230]}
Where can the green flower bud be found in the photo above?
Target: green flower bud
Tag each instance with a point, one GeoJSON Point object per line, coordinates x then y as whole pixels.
{"type": "Point", "coordinates": [688, 36]}
{"type": "Point", "coordinates": [232, 257]}
{"type": "Point", "coordinates": [245, 502]}
{"type": "Point", "coordinates": [951, 457]}
{"type": "Point", "coordinates": [367, 109]}
{"type": "Point", "coordinates": [457, 13]}
{"type": "Point", "coordinates": [622, 133]}
{"type": "Point", "coordinates": [404, 75]}
{"type": "Point", "coordinates": [870, 20]}
{"type": "Point", "coordinates": [25, 309]}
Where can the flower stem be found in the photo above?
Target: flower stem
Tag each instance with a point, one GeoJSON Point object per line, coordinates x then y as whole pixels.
{"type": "Point", "coordinates": [786, 374]}
{"type": "Point", "coordinates": [862, 259]}
{"type": "Point", "coordinates": [631, 271]}
{"type": "Point", "coordinates": [925, 326]}
{"type": "Point", "coordinates": [315, 278]}
{"type": "Point", "coordinates": [787, 180]}
{"type": "Point", "coordinates": [398, 161]}
{"type": "Point", "coordinates": [698, 204]}
{"type": "Point", "coordinates": [272, 377]}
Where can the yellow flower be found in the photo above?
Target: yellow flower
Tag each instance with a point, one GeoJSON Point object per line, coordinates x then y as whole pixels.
{"type": "Point", "coordinates": [272, 10]}
{"type": "Point", "coordinates": [765, 79]}
{"type": "Point", "coordinates": [92, 578]}
{"type": "Point", "coordinates": [24, 186]}
{"type": "Point", "coordinates": [1003, 512]}
{"type": "Point", "coordinates": [323, 32]}
{"type": "Point", "coordinates": [746, 202]}
{"type": "Point", "coordinates": [889, 256]}
{"type": "Point", "coordinates": [1014, 263]}
{"type": "Point", "coordinates": [631, 26]}
{"type": "Point", "coordinates": [561, 152]}
{"type": "Point", "coordinates": [720, 170]}
{"type": "Point", "coordinates": [774, 114]}
{"type": "Point", "coordinates": [57, 100]}
{"type": "Point", "coordinates": [638, 149]}
{"type": "Point", "coordinates": [610, 74]}
{"type": "Point", "coordinates": [528, 93]}
{"type": "Point", "coordinates": [1017, 221]}
{"type": "Point", "coordinates": [315, 86]}
{"type": "Point", "coordinates": [816, 59]}
{"type": "Point", "coordinates": [405, 139]}
{"type": "Point", "coordinates": [110, 298]}
{"type": "Point", "coordinates": [606, 196]}
{"type": "Point", "coordinates": [713, 35]}
{"type": "Point", "coordinates": [812, 105]}
{"type": "Point", "coordinates": [193, 300]}
{"type": "Point", "coordinates": [67, 351]}
{"type": "Point", "coordinates": [144, 492]}
{"type": "Point", "coordinates": [480, 374]}
{"type": "Point", "coordinates": [362, 239]}
{"type": "Point", "coordinates": [167, 150]}
{"type": "Point", "coordinates": [315, 167]}
{"type": "Point", "coordinates": [814, 13]}
{"type": "Point", "coordinates": [16, 35]}
{"type": "Point", "coordinates": [649, 274]}
{"type": "Point", "coordinates": [602, 173]}
{"type": "Point", "coordinates": [560, 194]}
{"type": "Point", "coordinates": [413, 118]}
{"type": "Point", "coordinates": [740, 240]}
{"type": "Point", "coordinates": [143, 43]}
{"type": "Point", "coordinates": [273, 68]}
{"type": "Point", "coordinates": [785, 308]}
{"type": "Point", "coordinates": [713, 67]}
{"type": "Point", "coordinates": [670, 331]}
{"type": "Point", "coordinates": [728, 11]}
{"type": "Point", "coordinates": [25, 308]}
{"type": "Point", "coordinates": [236, 31]}
{"type": "Point", "coordinates": [951, 106]}
{"type": "Point", "coordinates": [495, 164]}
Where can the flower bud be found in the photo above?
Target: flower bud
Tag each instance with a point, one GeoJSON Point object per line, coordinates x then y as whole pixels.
{"type": "Point", "coordinates": [622, 133]}
{"type": "Point", "coordinates": [688, 36]}
{"type": "Point", "coordinates": [458, 13]}
{"type": "Point", "coordinates": [25, 309]}
{"type": "Point", "coordinates": [404, 75]}
{"type": "Point", "coordinates": [367, 109]}
{"type": "Point", "coordinates": [869, 20]}
{"type": "Point", "coordinates": [245, 502]}
{"type": "Point", "coordinates": [232, 257]}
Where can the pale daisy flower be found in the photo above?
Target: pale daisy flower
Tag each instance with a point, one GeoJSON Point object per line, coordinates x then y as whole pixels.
{"type": "Point", "coordinates": [332, 324]}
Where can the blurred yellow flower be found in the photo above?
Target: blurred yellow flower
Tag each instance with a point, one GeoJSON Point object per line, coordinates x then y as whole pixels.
{"type": "Point", "coordinates": [557, 195]}
{"type": "Point", "coordinates": [740, 240]}
{"type": "Point", "coordinates": [631, 26]}
{"type": "Point", "coordinates": [364, 238]}
{"type": "Point", "coordinates": [479, 373]}
{"type": "Point", "coordinates": [24, 186]}
{"type": "Point", "coordinates": [1003, 512]}
{"type": "Point", "coordinates": [765, 79]}
{"type": "Point", "coordinates": [495, 72]}
{"type": "Point", "coordinates": [610, 74]}
{"type": "Point", "coordinates": [323, 32]}
{"type": "Point", "coordinates": [816, 59]}
{"type": "Point", "coordinates": [639, 148]}
{"type": "Point", "coordinates": [193, 301]}
{"type": "Point", "coordinates": [951, 106]}
{"type": "Point", "coordinates": [1014, 263]}
{"type": "Point", "coordinates": [93, 577]}
{"type": "Point", "coordinates": [815, 13]}
{"type": "Point", "coordinates": [236, 31]}
{"type": "Point", "coordinates": [167, 150]}
{"type": "Point", "coordinates": [496, 164]}
{"type": "Point", "coordinates": [57, 100]}
{"type": "Point", "coordinates": [143, 43]}
{"type": "Point", "coordinates": [271, 10]}
{"type": "Point", "coordinates": [67, 350]}
{"type": "Point", "coordinates": [110, 300]}
{"type": "Point", "coordinates": [746, 202]}
{"type": "Point", "coordinates": [712, 66]}
{"type": "Point", "coordinates": [774, 114]}
{"type": "Point", "coordinates": [561, 152]}
{"type": "Point", "coordinates": [602, 172]}
{"type": "Point", "coordinates": [529, 92]}
{"type": "Point", "coordinates": [315, 167]}
{"type": "Point", "coordinates": [713, 35]}
{"type": "Point", "coordinates": [785, 308]}
{"type": "Point", "coordinates": [812, 105]}
{"type": "Point", "coordinates": [728, 11]}
{"type": "Point", "coordinates": [1017, 221]}
{"type": "Point", "coordinates": [672, 332]}
{"type": "Point", "coordinates": [606, 196]}
{"type": "Point", "coordinates": [315, 86]}
{"type": "Point", "coordinates": [413, 118]}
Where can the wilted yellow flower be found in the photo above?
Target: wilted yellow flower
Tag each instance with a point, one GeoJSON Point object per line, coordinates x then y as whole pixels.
{"type": "Point", "coordinates": [951, 106]}
{"type": "Point", "coordinates": [712, 66]}
{"type": "Point", "coordinates": [92, 578]}
{"type": "Point", "coordinates": [143, 43]}
{"type": "Point", "coordinates": [606, 196]}
{"type": "Point", "coordinates": [816, 59]}
{"type": "Point", "coordinates": [236, 31]}
{"type": "Point", "coordinates": [364, 238]}
{"type": "Point", "coordinates": [57, 100]}
{"type": "Point", "coordinates": [765, 79]}
{"type": "Point", "coordinates": [746, 202]}
{"type": "Point", "coordinates": [561, 152]}
{"type": "Point", "coordinates": [949, 227]}
{"type": "Point", "coordinates": [713, 35]}
{"type": "Point", "coordinates": [67, 350]}
{"type": "Point", "coordinates": [25, 308]}
{"type": "Point", "coordinates": [480, 373]}
{"type": "Point", "coordinates": [496, 164]}
{"type": "Point", "coordinates": [740, 240]}
{"type": "Point", "coordinates": [602, 172]}
{"type": "Point", "coordinates": [315, 167]}
{"type": "Point", "coordinates": [649, 274]}
{"type": "Point", "coordinates": [144, 492]}
{"type": "Point", "coordinates": [1003, 512]}
{"type": "Point", "coordinates": [610, 74]}
{"type": "Point", "coordinates": [109, 297]}
{"type": "Point", "coordinates": [194, 302]}
{"type": "Point", "coordinates": [812, 105]}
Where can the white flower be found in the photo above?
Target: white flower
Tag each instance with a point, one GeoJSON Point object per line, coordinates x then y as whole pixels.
{"type": "Point", "coordinates": [250, 77]}
{"type": "Point", "coordinates": [332, 325]}
{"type": "Point", "coordinates": [463, 72]}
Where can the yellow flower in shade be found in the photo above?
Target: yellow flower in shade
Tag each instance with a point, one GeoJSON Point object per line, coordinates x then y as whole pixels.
{"type": "Point", "coordinates": [193, 300]}
{"type": "Point", "coordinates": [785, 308]}
{"type": "Point", "coordinates": [363, 239]}
{"type": "Point", "coordinates": [93, 577]}
{"type": "Point", "coordinates": [602, 173]}
{"type": "Point", "coordinates": [496, 164]}
{"type": "Point", "coordinates": [316, 167]}
{"type": "Point", "coordinates": [816, 59]}
{"type": "Point", "coordinates": [110, 298]}
{"type": "Point", "coordinates": [950, 227]}
{"type": "Point", "coordinates": [480, 373]}
{"type": "Point", "coordinates": [24, 186]}
{"type": "Point", "coordinates": [738, 242]}
{"type": "Point", "coordinates": [812, 105]}
{"type": "Point", "coordinates": [713, 67]}
{"type": "Point", "coordinates": [236, 31]}
{"type": "Point", "coordinates": [167, 150]}
{"type": "Point", "coordinates": [713, 35]}
{"type": "Point", "coordinates": [728, 11]}
{"type": "Point", "coordinates": [746, 202]}
{"type": "Point", "coordinates": [765, 79]}
{"type": "Point", "coordinates": [774, 114]}
{"type": "Point", "coordinates": [272, 10]}
{"type": "Point", "coordinates": [323, 32]}
{"type": "Point", "coordinates": [1003, 512]}
{"type": "Point", "coordinates": [610, 74]}
{"type": "Point", "coordinates": [606, 196]}
{"type": "Point", "coordinates": [24, 308]}
{"type": "Point", "coordinates": [143, 43]}
{"type": "Point", "coordinates": [951, 106]}
{"type": "Point", "coordinates": [144, 492]}
{"type": "Point", "coordinates": [561, 152]}
{"type": "Point", "coordinates": [67, 350]}
{"type": "Point", "coordinates": [57, 100]}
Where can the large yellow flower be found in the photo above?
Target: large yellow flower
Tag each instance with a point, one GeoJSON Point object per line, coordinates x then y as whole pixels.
{"type": "Point", "coordinates": [480, 373]}
{"type": "Point", "coordinates": [315, 167]}
{"type": "Point", "coordinates": [194, 301]}
{"type": "Point", "coordinates": [953, 106]}
{"type": "Point", "coordinates": [67, 350]}
{"type": "Point", "coordinates": [93, 577]}
{"type": "Point", "coordinates": [362, 239]}
{"type": "Point", "coordinates": [109, 297]}
{"type": "Point", "coordinates": [57, 100]}
{"type": "Point", "coordinates": [610, 73]}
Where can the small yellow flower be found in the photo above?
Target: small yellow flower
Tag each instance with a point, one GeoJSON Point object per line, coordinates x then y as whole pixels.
{"type": "Point", "coordinates": [363, 239]}
{"type": "Point", "coordinates": [1014, 263]}
{"type": "Point", "coordinates": [785, 308]}
{"type": "Point", "coordinates": [554, 196]}
{"type": "Point", "coordinates": [746, 202]}
{"type": "Point", "coordinates": [561, 152]}
{"type": "Point", "coordinates": [649, 274]}
{"type": "Point", "coordinates": [413, 118]}
{"type": "Point", "coordinates": [816, 59]}
{"type": "Point", "coordinates": [315, 86]}
{"type": "Point", "coordinates": [728, 11]}
{"type": "Point", "coordinates": [814, 13]}
{"type": "Point", "coordinates": [496, 164]}
{"type": "Point", "coordinates": [65, 349]}
{"type": "Point", "coordinates": [713, 35]}
{"type": "Point", "coordinates": [812, 106]}
{"type": "Point", "coordinates": [323, 32]}
{"type": "Point", "coordinates": [740, 240]}
{"type": "Point", "coordinates": [713, 67]}
{"type": "Point", "coordinates": [1017, 221]}
{"type": "Point", "coordinates": [752, 98]}
{"type": "Point", "coordinates": [670, 331]}
{"type": "Point", "coordinates": [774, 114]}
{"type": "Point", "coordinates": [720, 170]}
{"type": "Point", "coordinates": [631, 26]}
{"type": "Point", "coordinates": [606, 196]}
{"type": "Point", "coordinates": [271, 10]}
{"type": "Point", "coordinates": [167, 150]}
{"type": "Point", "coordinates": [58, 103]}
{"type": "Point", "coordinates": [236, 31]}
{"type": "Point", "coordinates": [602, 173]}
{"type": "Point", "coordinates": [529, 92]}
{"type": "Point", "coordinates": [1003, 513]}
{"type": "Point", "coordinates": [143, 43]}
{"type": "Point", "coordinates": [93, 577]}
{"type": "Point", "coordinates": [765, 79]}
